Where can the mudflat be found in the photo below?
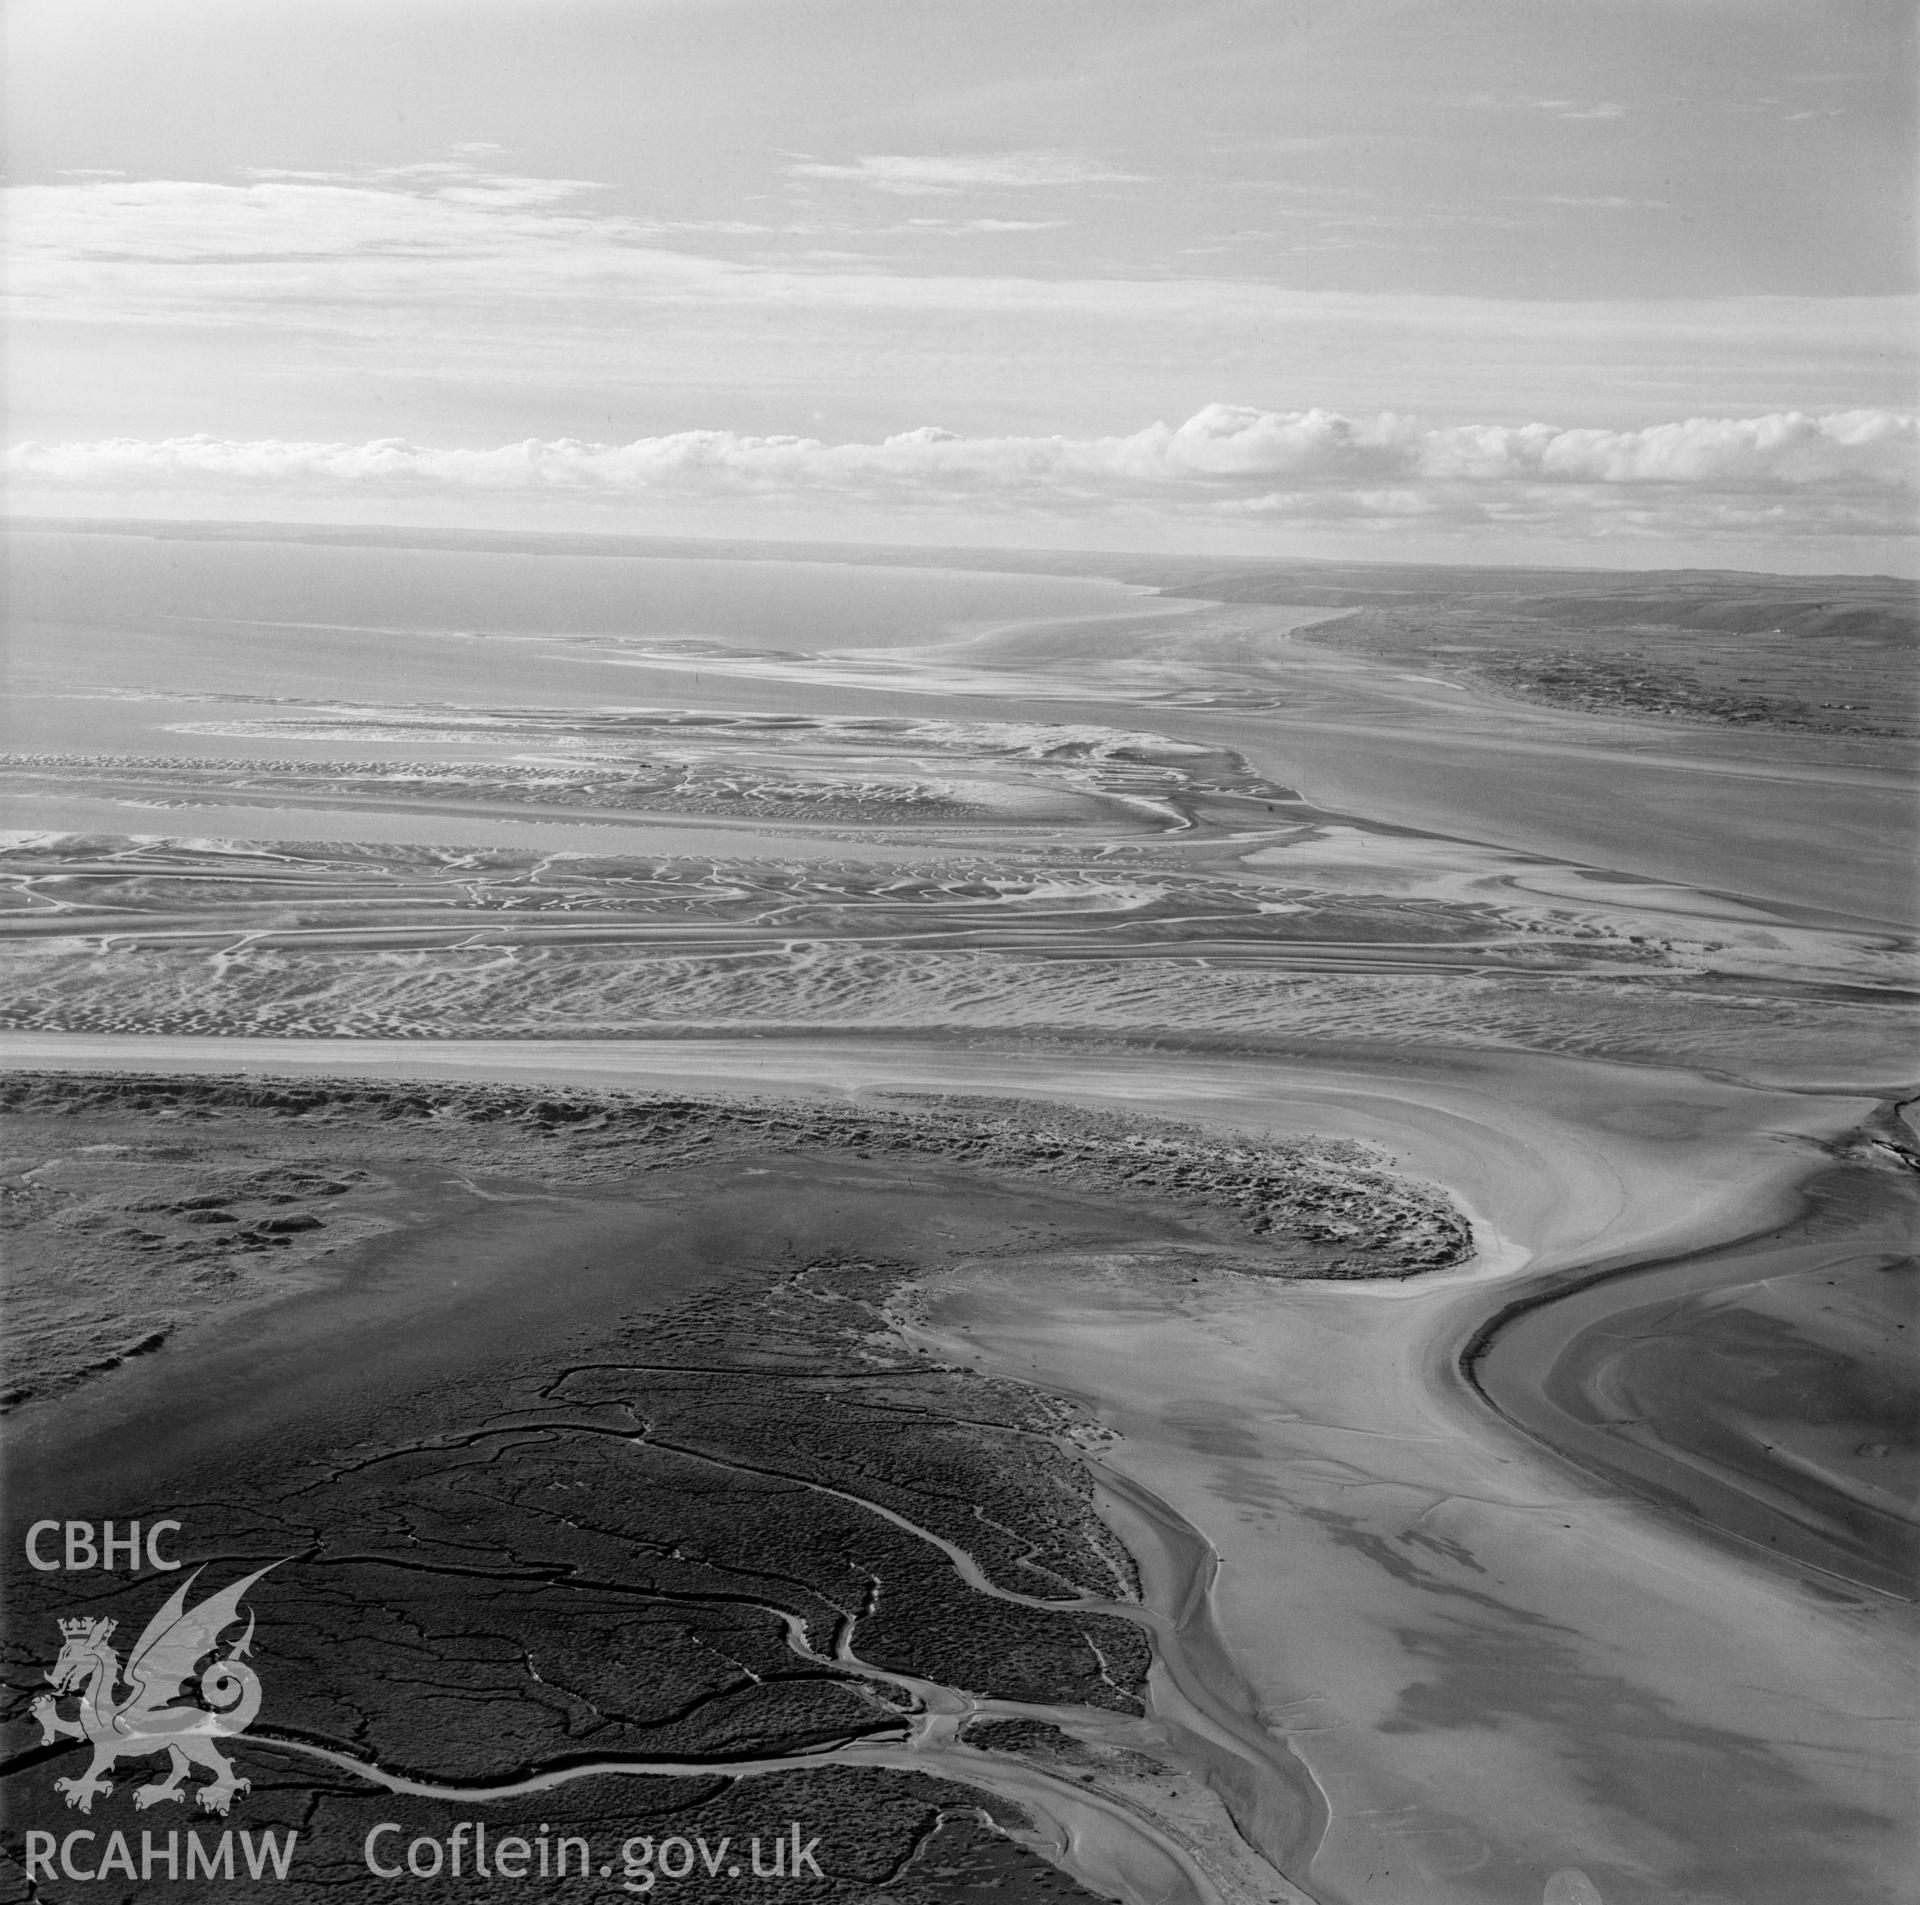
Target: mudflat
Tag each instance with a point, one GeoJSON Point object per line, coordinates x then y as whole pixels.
{"type": "Point", "coordinates": [685, 1309]}
{"type": "Point", "coordinates": [1274, 1268]}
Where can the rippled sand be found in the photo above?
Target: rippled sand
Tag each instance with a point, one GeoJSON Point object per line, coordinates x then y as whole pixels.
{"type": "Point", "coordinates": [909, 874]}
{"type": "Point", "coordinates": [1504, 1594]}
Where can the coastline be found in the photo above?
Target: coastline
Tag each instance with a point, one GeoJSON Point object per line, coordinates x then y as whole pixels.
{"type": "Point", "coordinates": [1423, 1652]}
{"type": "Point", "coordinates": [1307, 1432]}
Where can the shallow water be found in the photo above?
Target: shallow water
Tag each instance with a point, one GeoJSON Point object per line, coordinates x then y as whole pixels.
{"type": "Point", "coordinates": [98, 624]}
{"type": "Point", "coordinates": [1493, 1665]}
{"type": "Point", "coordinates": [1624, 990]}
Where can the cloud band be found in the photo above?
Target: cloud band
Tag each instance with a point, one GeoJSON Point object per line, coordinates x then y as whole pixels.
{"type": "Point", "coordinates": [1852, 471]}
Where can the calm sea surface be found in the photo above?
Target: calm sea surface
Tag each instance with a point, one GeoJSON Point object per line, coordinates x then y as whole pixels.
{"type": "Point", "coordinates": [115, 640]}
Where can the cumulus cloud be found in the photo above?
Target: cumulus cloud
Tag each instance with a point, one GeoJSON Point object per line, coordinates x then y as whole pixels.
{"type": "Point", "coordinates": [1849, 472]}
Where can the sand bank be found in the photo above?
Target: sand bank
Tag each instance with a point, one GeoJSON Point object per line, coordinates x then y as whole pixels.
{"type": "Point", "coordinates": [1494, 1665]}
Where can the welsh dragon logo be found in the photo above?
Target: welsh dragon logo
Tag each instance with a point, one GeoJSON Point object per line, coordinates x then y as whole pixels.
{"type": "Point", "coordinates": [169, 1702]}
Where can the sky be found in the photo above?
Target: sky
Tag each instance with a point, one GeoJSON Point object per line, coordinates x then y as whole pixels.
{"type": "Point", "coordinates": [1621, 282]}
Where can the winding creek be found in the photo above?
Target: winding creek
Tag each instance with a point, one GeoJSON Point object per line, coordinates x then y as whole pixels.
{"type": "Point", "coordinates": [1116, 1841]}
{"type": "Point", "coordinates": [1350, 1563]}
{"type": "Point", "coordinates": [1594, 1555]}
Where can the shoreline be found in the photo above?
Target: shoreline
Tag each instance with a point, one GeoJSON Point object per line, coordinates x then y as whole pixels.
{"type": "Point", "coordinates": [396, 1321]}
{"type": "Point", "coordinates": [1453, 1657]}
{"type": "Point", "coordinates": [1325, 1388]}
{"type": "Point", "coordinates": [1857, 1530]}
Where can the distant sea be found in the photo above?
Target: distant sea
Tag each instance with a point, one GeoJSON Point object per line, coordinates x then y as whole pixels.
{"type": "Point", "coordinates": [115, 640]}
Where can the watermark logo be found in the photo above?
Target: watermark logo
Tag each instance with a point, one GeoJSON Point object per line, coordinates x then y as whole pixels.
{"type": "Point", "coordinates": [164, 1700]}
{"type": "Point", "coordinates": [79, 1551]}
